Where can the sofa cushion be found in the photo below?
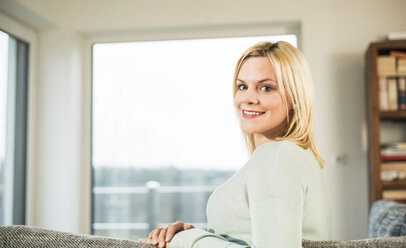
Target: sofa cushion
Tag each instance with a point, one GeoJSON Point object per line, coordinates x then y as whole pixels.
{"type": "Point", "coordinates": [399, 227]}
{"type": "Point", "coordinates": [386, 242]}
{"type": "Point", "coordinates": [387, 219]}
{"type": "Point", "coordinates": [33, 237]}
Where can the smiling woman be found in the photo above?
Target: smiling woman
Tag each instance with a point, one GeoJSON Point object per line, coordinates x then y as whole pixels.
{"type": "Point", "coordinates": [289, 71]}
{"type": "Point", "coordinates": [278, 197]}
{"type": "Point", "coordinates": [157, 107]}
{"type": "Point", "coordinates": [261, 106]}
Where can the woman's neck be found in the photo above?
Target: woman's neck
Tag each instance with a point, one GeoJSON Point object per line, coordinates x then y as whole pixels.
{"type": "Point", "coordinates": [261, 138]}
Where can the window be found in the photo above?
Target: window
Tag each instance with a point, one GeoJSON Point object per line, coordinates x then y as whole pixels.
{"type": "Point", "coordinates": [165, 133]}
{"type": "Point", "coordinates": [13, 128]}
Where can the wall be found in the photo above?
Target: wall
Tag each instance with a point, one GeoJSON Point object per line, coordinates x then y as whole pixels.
{"type": "Point", "coordinates": [335, 35]}
{"type": "Point", "coordinates": [58, 189]}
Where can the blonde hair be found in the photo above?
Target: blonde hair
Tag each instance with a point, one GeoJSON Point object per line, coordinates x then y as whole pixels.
{"type": "Point", "coordinates": [296, 86]}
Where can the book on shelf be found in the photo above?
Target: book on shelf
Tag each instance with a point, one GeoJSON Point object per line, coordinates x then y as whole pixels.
{"type": "Point", "coordinates": [402, 93]}
{"type": "Point", "coordinates": [393, 157]}
{"type": "Point", "coordinates": [392, 151]}
{"type": "Point", "coordinates": [392, 93]}
{"type": "Point", "coordinates": [398, 54]}
{"type": "Point", "coordinates": [386, 65]}
{"type": "Point", "coordinates": [392, 65]}
{"type": "Point", "coordinates": [383, 94]}
{"type": "Point", "coordinates": [394, 145]}
{"type": "Point", "coordinates": [393, 171]}
{"type": "Point", "coordinates": [395, 151]}
{"type": "Point", "coordinates": [394, 194]}
{"type": "Point", "coordinates": [401, 66]}
{"type": "Point", "coordinates": [392, 176]}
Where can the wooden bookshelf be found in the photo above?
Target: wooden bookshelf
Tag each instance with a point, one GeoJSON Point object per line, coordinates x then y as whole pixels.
{"type": "Point", "coordinates": [392, 115]}
{"type": "Point", "coordinates": [375, 118]}
{"type": "Point", "coordinates": [394, 185]}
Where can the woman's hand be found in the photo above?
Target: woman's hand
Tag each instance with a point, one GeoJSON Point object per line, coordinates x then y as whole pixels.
{"type": "Point", "coordinates": [161, 236]}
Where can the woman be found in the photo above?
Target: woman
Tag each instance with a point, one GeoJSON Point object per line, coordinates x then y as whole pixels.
{"type": "Point", "coordinates": [278, 198]}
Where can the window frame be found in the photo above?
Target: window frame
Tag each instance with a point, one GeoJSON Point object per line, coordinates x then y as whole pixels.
{"type": "Point", "coordinates": [25, 213]}
{"type": "Point", "coordinates": [16, 136]}
{"type": "Point", "coordinates": [161, 34]}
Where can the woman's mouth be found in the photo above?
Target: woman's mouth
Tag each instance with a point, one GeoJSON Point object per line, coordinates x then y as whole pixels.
{"type": "Point", "coordinates": [251, 114]}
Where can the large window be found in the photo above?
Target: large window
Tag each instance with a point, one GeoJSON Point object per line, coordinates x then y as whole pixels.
{"type": "Point", "coordinates": [165, 133]}
{"type": "Point", "coordinates": [13, 128]}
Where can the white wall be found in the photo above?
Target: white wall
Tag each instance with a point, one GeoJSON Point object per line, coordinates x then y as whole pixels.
{"type": "Point", "coordinates": [335, 35]}
{"type": "Point", "coordinates": [58, 189]}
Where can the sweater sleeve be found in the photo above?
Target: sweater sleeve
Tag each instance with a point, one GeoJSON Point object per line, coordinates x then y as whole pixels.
{"type": "Point", "coordinates": [276, 192]}
{"type": "Point", "coordinates": [198, 238]}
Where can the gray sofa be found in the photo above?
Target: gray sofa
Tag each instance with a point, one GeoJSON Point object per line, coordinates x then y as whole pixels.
{"type": "Point", "coordinates": [387, 219]}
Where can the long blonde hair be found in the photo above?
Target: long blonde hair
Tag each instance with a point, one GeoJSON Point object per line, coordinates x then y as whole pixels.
{"type": "Point", "coordinates": [295, 84]}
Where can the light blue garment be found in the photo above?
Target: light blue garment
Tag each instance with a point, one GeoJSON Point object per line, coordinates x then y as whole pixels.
{"type": "Point", "coordinates": [275, 200]}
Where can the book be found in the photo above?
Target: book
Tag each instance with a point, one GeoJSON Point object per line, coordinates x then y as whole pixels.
{"type": "Point", "coordinates": [401, 66]}
{"type": "Point", "coordinates": [392, 94]}
{"type": "Point", "coordinates": [394, 194]}
{"type": "Point", "coordinates": [401, 62]}
{"type": "Point", "coordinates": [402, 93]}
{"type": "Point", "coordinates": [395, 145]}
{"type": "Point", "coordinates": [393, 157]}
{"type": "Point", "coordinates": [391, 176]}
{"type": "Point", "coordinates": [393, 171]}
{"type": "Point", "coordinates": [393, 166]}
{"type": "Point", "coordinates": [391, 151]}
{"type": "Point", "coordinates": [398, 148]}
{"type": "Point", "coordinates": [386, 65]}
{"type": "Point", "coordinates": [383, 94]}
{"type": "Point", "coordinates": [398, 54]}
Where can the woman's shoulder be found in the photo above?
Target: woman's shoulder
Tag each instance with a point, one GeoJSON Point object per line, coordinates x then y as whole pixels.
{"type": "Point", "coordinates": [279, 147]}
{"type": "Point", "coordinates": [285, 154]}
{"type": "Point", "coordinates": [279, 162]}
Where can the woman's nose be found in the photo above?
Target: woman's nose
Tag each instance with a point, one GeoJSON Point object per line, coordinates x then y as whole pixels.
{"type": "Point", "coordinates": [250, 98]}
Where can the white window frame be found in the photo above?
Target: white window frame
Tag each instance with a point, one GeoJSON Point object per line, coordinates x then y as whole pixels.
{"type": "Point", "coordinates": [28, 35]}
{"type": "Point", "coordinates": [158, 34]}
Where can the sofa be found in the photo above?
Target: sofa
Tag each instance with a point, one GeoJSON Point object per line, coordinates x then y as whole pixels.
{"type": "Point", "coordinates": [387, 226]}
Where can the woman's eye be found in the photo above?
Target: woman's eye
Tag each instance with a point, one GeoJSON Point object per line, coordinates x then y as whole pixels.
{"type": "Point", "coordinates": [266, 88]}
{"type": "Point", "coordinates": [241, 87]}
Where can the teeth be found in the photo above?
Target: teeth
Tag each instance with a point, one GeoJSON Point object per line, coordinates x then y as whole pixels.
{"type": "Point", "coordinates": [252, 113]}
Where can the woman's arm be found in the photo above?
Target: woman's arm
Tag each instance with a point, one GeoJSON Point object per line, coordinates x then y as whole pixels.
{"type": "Point", "coordinates": [198, 238]}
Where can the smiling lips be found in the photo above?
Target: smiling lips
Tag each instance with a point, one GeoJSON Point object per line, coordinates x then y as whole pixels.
{"type": "Point", "coordinates": [251, 114]}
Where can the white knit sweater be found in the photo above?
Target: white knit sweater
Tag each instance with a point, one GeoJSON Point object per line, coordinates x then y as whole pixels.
{"type": "Point", "coordinates": [275, 200]}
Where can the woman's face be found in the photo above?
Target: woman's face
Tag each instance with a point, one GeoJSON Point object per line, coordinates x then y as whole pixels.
{"type": "Point", "coordinates": [258, 100]}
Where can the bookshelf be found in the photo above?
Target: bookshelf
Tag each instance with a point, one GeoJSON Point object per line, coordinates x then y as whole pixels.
{"type": "Point", "coordinates": [381, 123]}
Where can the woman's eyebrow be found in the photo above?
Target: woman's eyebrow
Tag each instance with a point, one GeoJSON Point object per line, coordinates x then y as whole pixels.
{"type": "Point", "coordinates": [260, 81]}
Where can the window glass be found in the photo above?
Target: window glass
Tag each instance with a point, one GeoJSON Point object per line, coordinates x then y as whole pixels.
{"type": "Point", "coordinates": [165, 132]}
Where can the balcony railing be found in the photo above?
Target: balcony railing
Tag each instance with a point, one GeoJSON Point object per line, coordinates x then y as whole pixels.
{"type": "Point", "coordinates": [153, 190]}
